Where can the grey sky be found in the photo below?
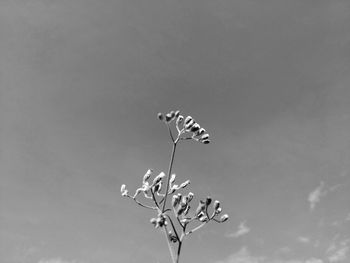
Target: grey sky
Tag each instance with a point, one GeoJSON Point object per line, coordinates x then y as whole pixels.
{"type": "Point", "coordinates": [81, 82]}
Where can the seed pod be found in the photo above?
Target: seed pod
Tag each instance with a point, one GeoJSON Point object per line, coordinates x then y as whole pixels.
{"type": "Point", "coordinates": [218, 211]}
{"type": "Point", "coordinates": [201, 131]}
{"type": "Point", "coordinates": [204, 137]}
{"type": "Point", "coordinates": [168, 117]}
{"type": "Point", "coordinates": [153, 221]}
{"type": "Point", "coordinates": [187, 209]}
{"type": "Point", "coordinates": [172, 179]}
{"type": "Point", "coordinates": [216, 205]}
{"type": "Point", "coordinates": [157, 187]}
{"type": "Point", "coordinates": [208, 201]}
{"type": "Point", "coordinates": [123, 190]}
{"type": "Point", "coordinates": [189, 125]}
{"type": "Point", "coordinates": [160, 116]}
{"type": "Point", "coordinates": [188, 119]}
{"type": "Point", "coordinates": [206, 141]}
{"type": "Point", "coordinates": [181, 210]}
{"type": "Point", "coordinates": [172, 114]}
{"type": "Point", "coordinates": [184, 184]}
{"type": "Point", "coordinates": [175, 201]}
{"type": "Point", "coordinates": [200, 207]}
{"type": "Point", "coordinates": [224, 218]}
{"type": "Point", "coordinates": [190, 196]}
{"type": "Point", "coordinates": [177, 113]}
{"type": "Point", "coordinates": [172, 237]}
{"type": "Point", "coordinates": [147, 175]}
{"type": "Point", "coordinates": [195, 127]}
{"type": "Point", "coordinates": [203, 218]}
{"type": "Point", "coordinates": [179, 119]}
{"type": "Point", "coordinates": [158, 178]}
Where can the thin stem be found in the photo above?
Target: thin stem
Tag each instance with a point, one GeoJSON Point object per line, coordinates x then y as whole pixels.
{"type": "Point", "coordinates": [195, 229]}
{"type": "Point", "coordinates": [169, 172]}
{"type": "Point", "coordinates": [165, 230]}
{"type": "Point", "coordinates": [145, 206]}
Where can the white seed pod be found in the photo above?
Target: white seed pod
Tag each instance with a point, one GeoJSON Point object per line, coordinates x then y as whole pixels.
{"type": "Point", "coordinates": [204, 137]}
{"type": "Point", "coordinates": [184, 184]}
{"type": "Point", "coordinates": [172, 114]}
{"type": "Point", "coordinates": [218, 211]}
{"type": "Point", "coordinates": [158, 178]}
{"type": "Point", "coordinates": [187, 209]}
{"type": "Point", "coordinates": [200, 208]}
{"type": "Point", "coordinates": [181, 210]}
{"type": "Point", "coordinates": [208, 201]}
{"type": "Point", "coordinates": [224, 218]}
{"type": "Point", "coordinates": [153, 221]}
{"type": "Point", "coordinates": [157, 187]}
{"type": "Point", "coordinates": [160, 116]}
{"type": "Point", "coordinates": [185, 220]}
{"type": "Point", "coordinates": [172, 179]}
{"type": "Point", "coordinates": [188, 119]}
{"type": "Point", "coordinates": [195, 127]}
{"type": "Point", "coordinates": [123, 190]}
{"type": "Point", "coordinates": [147, 175]}
{"type": "Point", "coordinates": [216, 205]}
{"type": "Point", "coordinates": [201, 131]}
{"type": "Point", "coordinates": [175, 201]}
{"type": "Point", "coordinates": [189, 125]}
{"type": "Point", "coordinates": [168, 117]}
{"type": "Point", "coordinates": [179, 119]}
{"type": "Point", "coordinates": [206, 141]}
{"type": "Point", "coordinates": [177, 113]}
{"type": "Point", "coordinates": [190, 196]}
{"type": "Point", "coordinates": [203, 218]}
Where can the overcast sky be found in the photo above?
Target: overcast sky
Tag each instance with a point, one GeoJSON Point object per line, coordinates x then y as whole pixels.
{"type": "Point", "coordinates": [81, 82]}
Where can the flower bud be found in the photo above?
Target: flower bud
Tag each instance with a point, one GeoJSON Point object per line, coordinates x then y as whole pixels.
{"type": "Point", "coordinates": [185, 220]}
{"type": "Point", "coordinates": [206, 141]}
{"type": "Point", "coordinates": [177, 113]}
{"type": "Point", "coordinates": [224, 218]}
{"type": "Point", "coordinates": [172, 114]}
{"type": "Point", "coordinates": [123, 190]}
{"type": "Point", "coordinates": [181, 209]}
{"type": "Point", "coordinates": [218, 211]}
{"type": "Point", "coordinates": [160, 116]}
{"type": "Point", "coordinates": [187, 209]}
{"type": "Point", "coordinates": [208, 201]}
{"type": "Point", "coordinates": [184, 184]}
{"type": "Point", "coordinates": [216, 205]}
{"type": "Point", "coordinates": [147, 175]}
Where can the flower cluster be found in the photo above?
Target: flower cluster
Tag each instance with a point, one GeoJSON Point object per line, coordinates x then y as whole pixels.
{"type": "Point", "coordinates": [185, 126]}
{"type": "Point", "coordinates": [155, 192]}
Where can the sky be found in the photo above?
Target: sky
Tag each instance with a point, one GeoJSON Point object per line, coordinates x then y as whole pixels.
{"type": "Point", "coordinates": [81, 83]}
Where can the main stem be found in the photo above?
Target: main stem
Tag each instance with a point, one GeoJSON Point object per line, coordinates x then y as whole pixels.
{"type": "Point", "coordinates": [164, 203]}
{"type": "Point", "coordinates": [169, 173]}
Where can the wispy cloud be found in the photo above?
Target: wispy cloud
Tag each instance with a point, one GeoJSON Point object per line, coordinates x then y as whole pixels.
{"type": "Point", "coordinates": [242, 230]}
{"type": "Point", "coordinates": [58, 260]}
{"type": "Point", "coordinates": [304, 240]}
{"type": "Point", "coordinates": [245, 256]}
{"type": "Point", "coordinates": [315, 195]}
{"type": "Point", "coordinates": [338, 252]}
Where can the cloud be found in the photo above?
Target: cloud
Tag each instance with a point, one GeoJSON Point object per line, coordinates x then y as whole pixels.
{"type": "Point", "coordinates": [58, 260]}
{"type": "Point", "coordinates": [242, 230]}
{"type": "Point", "coordinates": [245, 256]}
{"type": "Point", "coordinates": [338, 252]}
{"type": "Point", "coordinates": [315, 195]}
{"type": "Point", "coordinates": [304, 240]}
